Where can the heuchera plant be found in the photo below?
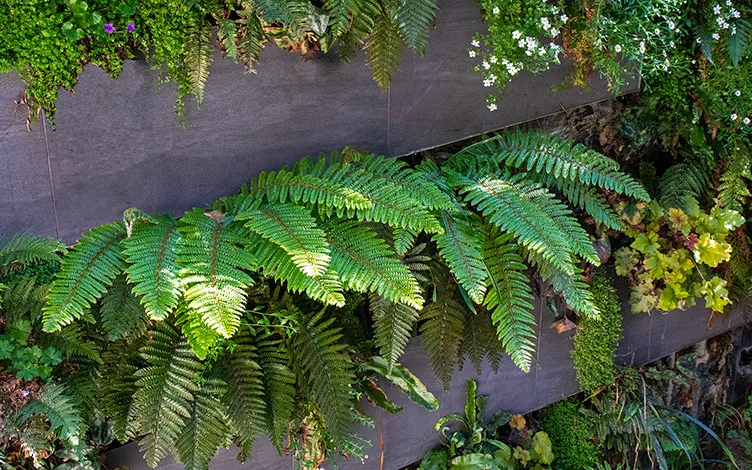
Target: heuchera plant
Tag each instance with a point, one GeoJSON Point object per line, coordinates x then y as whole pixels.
{"type": "Point", "coordinates": [672, 257]}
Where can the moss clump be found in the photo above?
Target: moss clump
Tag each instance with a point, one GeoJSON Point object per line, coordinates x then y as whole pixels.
{"type": "Point", "coordinates": [571, 436]}
{"type": "Point", "coordinates": [595, 342]}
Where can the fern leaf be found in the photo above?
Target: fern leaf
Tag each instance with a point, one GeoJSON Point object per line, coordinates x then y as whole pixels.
{"type": "Point", "coordinates": [61, 411]}
{"type": "Point", "coordinates": [738, 40]}
{"type": "Point", "coordinates": [441, 332]}
{"type": "Point", "coordinates": [365, 263]}
{"type": "Point", "coordinates": [197, 52]}
{"type": "Point", "coordinates": [733, 190]}
{"type": "Point", "coordinates": [25, 248]}
{"type": "Point", "coordinates": [383, 49]}
{"type": "Point", "coordinates": [206, 430]}
{"type": "Point", "coordinates": [361, 26]}
{"type": "Point", "coordinates": [24, 299]}
{"type": "Point", "coordinates": [85, 274]}
{"type": "Point", "coordinates": [589, 200]}
{"type": "Point", "coordinates": [509, 299]}
{"type": "Point", "coordinates": [571, 287]}
{"type": "Point", "coordinates": [279, 386]}
{"type": "Point", "coordinates": [252, 39]}
{"type": "Point", "coordinates": [228, 33]}
{"type": "Point", "coordinates": [163, 400]}
{"type": "Point", "coordinates": [328, 371]}
{"type": "Point", "coordinates": [681, 186]}
{"type": "Point", "coordinates": [339, 15]}
{"type": "Point", "coordinates": [118, 386]}
{"type": "Point", "coordinates": [213, 257]}
{"type": "Point", "coordinates": [199, 335]}
{"type": "Point", "coordinates": [479, 341]}
{"type": "Point", "coordinates": [151, 252]}
{"type": "Point", "coordinates": [393, 326]}
{"type": "Point", "coordinates": [120, 311]}
{"type": "Point", "coordinates": [70, 341]}
{"type": "Point", "coordinates": [461, 245]}
{"type": "Point", "coordinates": [414, 18]}
{"type": "Point", "coordinates": [294, 229]}
{"type": "Point", "coordinates": [404, 240]}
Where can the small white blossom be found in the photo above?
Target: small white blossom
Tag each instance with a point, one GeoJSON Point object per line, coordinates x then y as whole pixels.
{"type": "Point", "coordinates": [671, 25]}
{"type": "Point", "coordinates": [738, 93]}
{"type": "Point", "coordinates": [487, 83]}
{"type": "Point", "coordinates": [728, 2]}
{"type": "Point", "coordinates": [725, 25]}
{"type": "Point", "coordinates": [554, 9]}
{"type": "Point", "coordinates": [734, 117]}
{"type": "Point", "coordinates": [564, 18]}
{"type": "Point", "coordinates": [617, 48]}
{"type": "Point", "coordinates": [733, 30]}
{"type": "Point", "coordinates": [698, 41]}
{"type": "Point", "coordinates": [521, 43]}
{"type": "Point", "coordinates": [642, 47]}
{"type": "Point", "coordinates": [554, 32]}
{"type": "Point", "coordinates": [735, 13]}
{"type": "Point", "coordinates": [475, 43]}
{"type": "Point", "coordinates": [492, 107]}
{"type": "Point", "coordinates": [492, 59]}
{"type": "Point", "coordinates": [665, 54]}
{"type": "Point", "coordinates": [471, 53]}
{"type": "Point", "coordinates": [486, 65]}
{"type": "Point", "coordinates": [528, 52]}
{"type": "Point", "coordinates": [746, 121]}
{"type": "Point", "coordinates": [545, 23]}
{"type": "Point", "coordinates": [516, 34]}
{"type": "Point", "coordinates": [657, 31]}
{"type": "Point", "coordinates": [496, 10]}
{"type": "Point", "coordinates": [716, 36]}
{"type": "Point", "coordinates": [542, 51]}
{"type": "Point", "coordinates": [672, 45]}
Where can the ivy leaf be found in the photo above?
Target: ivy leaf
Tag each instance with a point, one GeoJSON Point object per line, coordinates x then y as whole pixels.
{"type": "Point", "coordinates": [646, 243]}
{"type": "Point", "coordinates": [711, 252]}
{"type": "Point", "coordinates": [6, 349]}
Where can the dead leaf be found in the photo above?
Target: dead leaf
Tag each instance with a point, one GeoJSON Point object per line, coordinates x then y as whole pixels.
{"type": "Point", "coordinates": [564, 325]}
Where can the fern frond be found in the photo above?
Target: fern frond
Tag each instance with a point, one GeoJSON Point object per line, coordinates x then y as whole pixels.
{"type": "Point", "coordinates": [571, 287]}
{"type": "Point", "coordinates": [681, 186]}
{"type": "Point", "coordinates": [70, 341]}
{"type": "Point", "coordinates": [197, 53]}
{"type": "Point", "coordinates": [507, 207]}
{"type": "Point", "coordinates": [212, 255]}
{"type": "Point", "coordinates": [199, 335]}
{"type": "Point", "coordinates": [294, 229]}
{"type": "Point", "coordinates": [383, 48]}
{"type": "Point", "coordinates": [60, 409]}
{"type": "Point", "coordinates": [162, 403]}
{"type": "Point", "coordinates": [151, 253]}
{"type": "Point", "coordinates": [118, 386]}
{"type": "Point", "coordinates": [227, 32]}
{"type": "Point", "coordinates": [363, 20]}
{"type": "Point", "coordinates": [25, 248]}
{"type": "Point", "coordinates": [509, 299]}
{"type": "Point", "coordinates": [733, 189]}
{"type": "Point", "coordinates": [288, 12]}
{"type": "Point", "coordinates": [393, 326]}
{"type": "Point", "coordinates": [738, 40]}
{"type": "Point", "coordinates": [85, 274]}
{"type": "Point", "coordinates": [586, 198]}
{"type": "Point", "coordinates": [339, 14]}
{"type": "Point", "coordinates": [279, 386]}
{"type": "Point", "coordinates": [441, 332]}
{"type": "Point", "coordinates": [207, 429]}
{"type": "Point", "coordinates": [252, 39]}
{"type": "Point", "coordinates": [120, 311]}
{"type": "Point", "coordinates": [479, 341]}
{"type": "Point", "coordinates": [22, 298]}
{"type": "Point", "coordinates": [365, 263]}
{"type": "Point", "coordinates": [404, 240]}
{"type": "Point", "coordinates": [461, 247]}
{"type": "Point", "coordinates": [328, 371]}
{"type": "Point", "coordinates": [414, 18]}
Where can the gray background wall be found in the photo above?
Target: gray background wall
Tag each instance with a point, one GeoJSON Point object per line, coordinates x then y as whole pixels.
{"type": "Point", "coordinates": [118, 144]}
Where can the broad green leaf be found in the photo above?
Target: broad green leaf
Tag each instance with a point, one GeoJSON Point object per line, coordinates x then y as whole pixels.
{"type": "Point", "coordinates": [405, 381]}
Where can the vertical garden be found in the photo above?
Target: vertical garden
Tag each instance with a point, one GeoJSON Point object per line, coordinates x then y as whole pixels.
{"type": "Point", "coordinates": [279, 310]}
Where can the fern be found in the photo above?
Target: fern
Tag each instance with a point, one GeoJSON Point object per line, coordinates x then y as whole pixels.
{"type": "Point", "coordinates": [327, 369]}
{"type": "Point", "coordinates": [509, 299]}
{"type": "Point", "coordinates": [86, 273]}
{"type": "Point", "coordinates": [153, 271]}
{"type": "Point", "coordinates": [383, 48]}
{"type": "Point", "coordinates": [252, 39]}
{"type": "Point", "coordinates": [294, 229]}
{"type": "Point", "coordinates": [414, 18]}
{"type": "Point", "coordinates": [404, 239]}
{"type": "Point", "coordinates": [70, 341]}
{"type": "Point", "coordinates": [441, 332]}
{"type": "Point", "coordinates": [227, 32]}
{"type": "Point", "coordinates": [206, 430]}
{"type": "Point", "coordinates": [461, 246]}
{"type": "Point", "coordinates": [197, 51]}
{"type": "Point", "coordinates": [479, 341]}
{"type": "Point", "coordinates": [118, 387]}
{"type": "Point", "coordinates": [681, 186]}
{"type": "Point", "coordinates": [162, 403]}
{"type": "Point", "coordinates": [212, 256]}
{"type": "Point", "coordinates": [61, 412]}
{"type": "Point", "coordinates": [339, 14]}
{"type": "Point", "coordinates": [393, 325]}
{"type": "Point", "coordinates": [361, 26]}
{"type": "Point", "coordinates": [24, 299]}
{"type": "Point", "coordinates": [365, 263]}
{"type": "Point", "coordinates": [120, 311]}
{"type": "Point", "coordinates": [279, 386]}
{"type": "Point", "coordinates": [738, 40]}
{"type": "Point", "coordinates": [733, 189]}
{"type": "Point", "coordinates": [25, 248]}
{"type": "Point", "coordinates": [571, 287]}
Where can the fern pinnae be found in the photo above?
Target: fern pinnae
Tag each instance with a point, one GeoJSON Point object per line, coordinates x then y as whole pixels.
{"type": "Point", "coordinates": [151, 253]}
{"type": "Point", "coordinates": [279, 386]}
{"type": "Point", "coordinates": [480, 341]}
{"type": "Point", "coordinates": [25, 248]}
{"type": "Point", "coordinates": [120, 311]}
{"type": "Point", "coordinates": [441, 332]}
{"type": "Point", "coordinates": [414, 19]}
{"type": "Point", "coordinates": [461, 247]}
{"type": "Point", "coordinates": [252, 38]}
{"type": "Point", "coordinates": [85, 274]}
{"type": "Point", "coordinates": [61, 411]}
{"type": "Point", "coordinates": [393, 327]}
{"type": "Point", "coordinates": [383, 48]}
{"type": "Point", "coordinates": [197, 51]}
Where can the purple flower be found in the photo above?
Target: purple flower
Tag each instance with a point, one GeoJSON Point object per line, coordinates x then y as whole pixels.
{"type": "Point", "coordinates": [109, 28]}
{"type": "Point", "coordinates": [130, 27]}
{"type": "Point", "coordinates": [24, 393]}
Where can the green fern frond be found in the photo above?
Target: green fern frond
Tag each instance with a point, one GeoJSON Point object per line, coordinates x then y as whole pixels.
{"type": "Point", "coordinates": [404, 240]}
{"type": "Point", "coordinates": [383, 48]}
{"type": "Point", "coordinates": [588, 199]}
{"type": "Point", "coordinates": [328, 370]}
{"type": "Point", "coordinates": [120, 311]}
{"type": "Point", "coordinates": [393, 326]}
{"type": "Point", "coordinates": [361, 26]}
{"type": "Point", "coordinates": [365, 263]}
{"type": "Point", "coordinates": [279, 386]}
{"type": "Point", "coordinates": [227, 32]}
{"type": "Point", "coordinates": [480, 341]}
{"type": "Point", "coordinates": [197, 53]}
{"type": "Point", "coordinates": [70, 341]}
{"type": "Point", "coordinates": [682, 186]}
{"type": "Point", "coordinates": [252, 39]}
{"type": "Point", "coordinates": [207, 429]}
{"type": "Point", "coordinates": [294, 229]}
{"type": "Point", "coordinates": [151, 252]}
{"type": "Point", "coordinates": [571, 287]}
{"type": "Point", "coordinates": [441, 332]}
{"type": "Point", "coordinates": [291, 13]}
{"type": "Point", "coordinates": [22, 298]}
{"type": "Point", "coordinates": [118, 386]}
{"type": "Point", "coordinates": [461, 247]}
{"type": "Point", "coordinates": [85, 274]}
{"type": "Point", "coordinates": [212, 255]}
{"type": "Point", "coordinates": [339, 14]}
{"type": "Point", "coordinates": [733, 189]}
{"type": "Point", "coordinates": [25, 248]}
{"type": "Point", "coordinates": [61, 411]}
{"type": "Point", "coordinates": [199, 335]}
{"type": "Point", "coordinates": [414, 18]}
{"type": "Point", "coordinates": [507, 207]}
{"type": "Point", "coordinates": [509, 299]}
{"type": "Point", "coordinates": [162, 403]}
{"type": "Point", "coordinates": [738, 41]}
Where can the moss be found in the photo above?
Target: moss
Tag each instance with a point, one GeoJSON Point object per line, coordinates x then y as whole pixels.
{"type": "Point", "coordinates": [595, 342]}
{"type": "Point", "coordinates": [571, 436]}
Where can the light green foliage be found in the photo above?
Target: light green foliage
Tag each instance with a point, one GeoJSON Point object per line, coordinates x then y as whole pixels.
{"type": "Point", "coordinates": [570, 435]}
{"type": "Point", "coordinates": [60, 410]}
{"type": "Point", "coordinates": [596, 340]}
{"type": "Point", "coordinates": [670, 273]}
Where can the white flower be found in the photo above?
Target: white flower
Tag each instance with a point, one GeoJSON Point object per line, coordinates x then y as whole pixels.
{"type": "Point", "coordinates": [486, 65]}
{"type": "Point", "coordinates": [471, 53]}
{"type": "Point", "coordinates": [492, 107]}
{"type": "Point", "coordinates": [475, 43]}
{"type": "Point", "coordinates": [529, 52]}
{"type": "Point", "coordinates": [492, 59]}
{"type": "Point", "coordinates": [735, 13]}
{"type": "Point", "coordinates": [546, 24]}
{"type": "Point", "coordinates": [521, 43]}
{"type": "Point", "coordinates": [665, 54]}
{"type": "Point", "coordinates": [564, 18]}
{"type": "Point", "coordinates": [487, 83]}
{"type": "Point", "coordinates": [728, 2]}
{"type": "Point", "coordinates": [698, 41]}
{"type": "Point", "coordinates": [738, 93]}
{"type": "Point", "coordinates": [717, 9]}
{"type": "Point", "coordinates": [716, 36]}
{"type": "Point", "coordinates": [554, 9]}
{"type": "Point", "coordinates": [542, 51]}
{"type": "Point", "coordinates": [496, 10]}
{"type": "Point", "coordinates": [733, 30]}
{"type": "Point", "coordinates": [642, 47]}
{"type": "Point", "coordinates": [617, 48]}
{"type": "Point", "coordinates": [746, 121]}
{"type": "Point", "coordinates": [516, 34]}
{"type": "Point", "coordinates": [725, 25]}
{"type": "Point", "coordinates": [734, 117]}
{"type": "Point", "coordinates": [657, 31]}
{"type": "Point", "coordinates": [554, 32]}
{"type": "Point", "coordinates": [671, 25]}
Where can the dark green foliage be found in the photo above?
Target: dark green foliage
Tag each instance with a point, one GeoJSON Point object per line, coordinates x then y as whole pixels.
{"type": "Point", "coordinates": [26, 249]}
{"type": "Point", "coordinates": [383, 48]}
{"type": "Point", "coordinates": [393, 327]}
{"type": "Point", "coordinates": [596, 339]}
{"type": "Point", "coordinates": [120, 312]}
{"type": "Point", "coordinates": [570, 435]}
{"type": "Point", "coordinates": [441, 330]}
{"type": "Point", "coordinates": [59, 408]}
{"type": "Point", "coordinates": [682, 186]}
